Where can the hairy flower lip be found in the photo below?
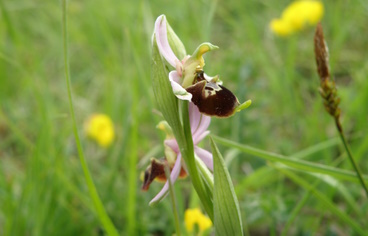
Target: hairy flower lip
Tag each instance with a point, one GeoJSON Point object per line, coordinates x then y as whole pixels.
{"type": "Point", "coordinates": [173, 176]}
{"type": "Point", "coordinates": [220, 103]}
{"type": "Point", "coordinates": [157, 171]}
{"type": "Point", "coordinates": [211, 97]}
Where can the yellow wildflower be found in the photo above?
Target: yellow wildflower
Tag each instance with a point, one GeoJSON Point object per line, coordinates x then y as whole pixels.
{"type": "Point", "coordinates": [100, 128]}
{"type": "Point", "coordinates": [195, 216]}
{"type": "Point", "coordinates": [297, 16]}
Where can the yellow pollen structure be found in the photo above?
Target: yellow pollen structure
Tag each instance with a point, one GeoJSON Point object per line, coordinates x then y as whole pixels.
{"type": "Point", "coordinates": [297, 16]}
{"type": "Point", "coordinates": [100, 128]}
{"type": "Point", "coordinates": [195, 217]}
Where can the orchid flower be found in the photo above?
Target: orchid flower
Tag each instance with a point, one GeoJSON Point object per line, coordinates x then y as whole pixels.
{"type": "Point", "coordinates": [199, 124]}
{"type": "Point", "coordinates": [188, 80]}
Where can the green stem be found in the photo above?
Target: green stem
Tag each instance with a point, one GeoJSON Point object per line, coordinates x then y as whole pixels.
{"type": "Point", "coordinates": [187, 151]}
{"type": "Point", "coordinates": [350, 155]}
{"type": "Point", "coordinates": [173, 202]}
{"type": "Point", "coordinates": [7, 20]}
{"type": "Point", "coordinates": [132, 173]}
{"type": "Point", "coordinates": [207, 175]}
{"type": "Point", "coordinates": [101, 212]}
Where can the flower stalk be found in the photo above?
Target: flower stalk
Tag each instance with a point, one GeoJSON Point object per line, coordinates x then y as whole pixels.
{"type": "Point", "coordinates": [188, 155]}
{"type": "Point", "coordinates": [173, 201]}
{"type": "Point", "coordinates": [328, 92]}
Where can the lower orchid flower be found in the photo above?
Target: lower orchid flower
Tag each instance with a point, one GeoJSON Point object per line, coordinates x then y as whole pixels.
{"type": "Point", "coordinates": [188, 80]}
{"type": "Point", "coordinates": [173, 159]}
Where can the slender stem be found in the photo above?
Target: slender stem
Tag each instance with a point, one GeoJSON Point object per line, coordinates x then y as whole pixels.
{"type": "Point", "coordinates": [132, 173]}
{"type": "Point", "coordinates": [203, 170]}
{"type": "Point", "coordinates": [173, 202]}
{"type": "Point", "coordinates": [188, 154]}
{"type": "Point", "coordinates": [350, 155]}
{"type": "Point", "coordinates": [101, 212]}
{"type": "Point", "coordinates": [7, 20]}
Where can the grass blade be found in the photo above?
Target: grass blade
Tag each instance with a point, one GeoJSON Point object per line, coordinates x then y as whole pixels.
{"type": "Point", "coordinates": [294, 163]}
{"type": "Point", "coordinates": [327, 203]}
{"type": "Point", "coordinates": [104, 218]}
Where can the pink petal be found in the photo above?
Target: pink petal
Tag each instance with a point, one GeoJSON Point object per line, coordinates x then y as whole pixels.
{"type": "Point", "coordinates": [200, 132]}
{"type": "Point", "coordinates": [175, 77]}
{"type": "Point", "coordinates": [205, 156]}
{"type": "Point", "coordinates": [194, 117]}
{"type": "Point", "coordinates": [162, 42]}
{"type": "Point", "coordinates": [198, 137]}
{"type": "Point", "coordinates": [178, 90]}
{"type": "Point", "coordinates": [173, 176]}
{"type": "Point", "coordinates": [172, 144]}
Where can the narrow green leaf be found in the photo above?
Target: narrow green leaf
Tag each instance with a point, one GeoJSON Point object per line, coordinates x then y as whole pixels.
{"type": "Point", "coordinates": [326, 201]}
{"type": "Point", "coordinates": [333, 182]}
{"type": "Point", "coordinates": [226, 207]}
{"type": "Point", "coordinates": [300, 165]}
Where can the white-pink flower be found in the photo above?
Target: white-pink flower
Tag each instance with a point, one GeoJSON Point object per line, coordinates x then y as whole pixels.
{"type": "Point", "coordinates": [188, 80]}
{"type": "Point", "coordinates": [184, 73]}
{"type": "Point", "coordinates": [199, 124]}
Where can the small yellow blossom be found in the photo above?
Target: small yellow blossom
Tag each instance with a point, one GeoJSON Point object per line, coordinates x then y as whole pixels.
{"type": "Point", "coordinates": [297, 16]}
{"type": "Point", "coordinates": [100, 128]}
{"type": "Point", "coordinates": [195, 216]}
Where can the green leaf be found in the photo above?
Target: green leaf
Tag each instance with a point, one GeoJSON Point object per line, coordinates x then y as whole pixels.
{"type": "Point", "coordinates": [329, 205]}
{"type": "Point", "coordinates": [226, 207]}
{"type": "Point", "coordinates": [300, 165]}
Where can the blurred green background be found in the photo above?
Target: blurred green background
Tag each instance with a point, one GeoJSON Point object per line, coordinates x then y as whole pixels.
{"type": "Point", "coordinates": [42, 187]}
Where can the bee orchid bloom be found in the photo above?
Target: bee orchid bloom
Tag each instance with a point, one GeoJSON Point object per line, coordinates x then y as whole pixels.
{"type": "Point", "coordinates": [199, 124]}
{"type": "Point", "coordinates": [188, 80]}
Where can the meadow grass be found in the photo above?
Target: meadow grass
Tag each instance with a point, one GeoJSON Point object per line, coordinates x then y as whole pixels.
{"type": "Point", "coordinates": [42, 185]}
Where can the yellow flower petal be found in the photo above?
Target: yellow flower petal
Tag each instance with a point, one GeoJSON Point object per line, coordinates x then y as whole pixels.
{"type": "Point", "coordinates": [281, 27]}
{"type": "Point", "coordinates": [100, 128]}
{"type": "Point", "coordinates": [195, 217]}
{"type": "Point", "coordinates": [297, 16]}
